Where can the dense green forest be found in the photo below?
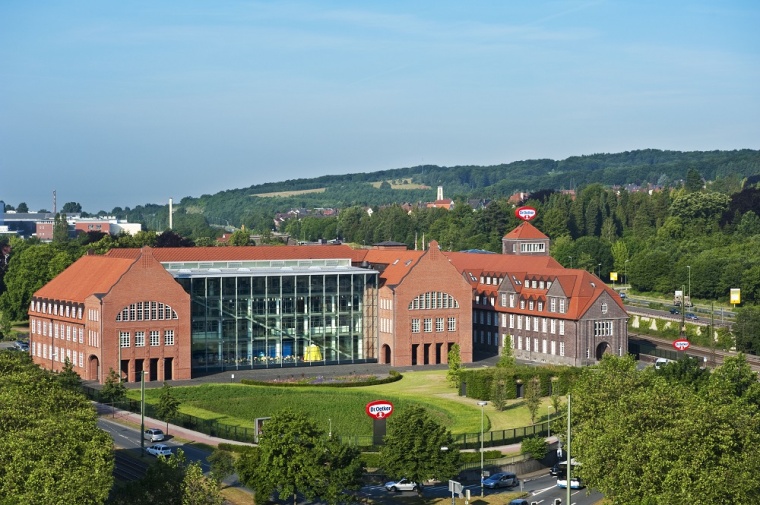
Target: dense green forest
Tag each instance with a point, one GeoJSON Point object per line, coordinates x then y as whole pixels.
{"type": "Point", "coordinates": [238, 207]}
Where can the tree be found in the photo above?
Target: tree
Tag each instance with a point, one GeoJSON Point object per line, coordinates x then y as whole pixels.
{"type": "Point", "coordinates": [533, 398]}
{"type": "Point", "coordinates": [418, 447]}
{"type": "Point", "coordinates": [294, 456]}
{"type": "Point", "coordinates": [60, 229]}
{"type": "Point", "coordinates": [51, 449]}
{"type": "Point", "coordinates": [168, 405]}
{"type": "Point", "coordinates": [113, 390]}
{"type": "Point", "coordinates": [535, 446]}
{"type": "Point", "coordinates": [69, 379]}
{"type": "Point", "coordinates": [22, 208]}
{"type": "Point", "coordinates": [506, 359]}
{"type": "Point", "coordinates": [240, 238]}
{"type": "Point", "coordinates": [694, 443]}
{"type": "Point", "coordinates": [747, 329]}
{"type": "Point", "coordinates": [71, 208]}
{"type": "Point", "coordinates": [694, 182]}
{"type": "Point", "coordinates": [455, 367]}
{"type": "Point", "coordinates": [222, 464]}
{"type": "Point", "coordinates": [501, 376]}
{"type": "Point", "coordinates": [199, 489]}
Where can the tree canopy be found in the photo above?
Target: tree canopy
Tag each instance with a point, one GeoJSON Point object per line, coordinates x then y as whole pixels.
{"type": "Point", "coordinates": [648, 438]}
{"type": "Point", "coordinates": [51, 449]}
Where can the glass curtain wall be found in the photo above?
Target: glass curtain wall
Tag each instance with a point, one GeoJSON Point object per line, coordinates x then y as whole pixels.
{"type": "Point", "coordinates": [282, 320]}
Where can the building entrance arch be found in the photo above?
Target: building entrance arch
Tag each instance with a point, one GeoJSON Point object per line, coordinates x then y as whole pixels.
{"type": "Point", "coordinates": [602, 349]}
{"type": "Point", "coordinates": [93, 368]}
{"type": "Point", "coordinates": [385, 354]}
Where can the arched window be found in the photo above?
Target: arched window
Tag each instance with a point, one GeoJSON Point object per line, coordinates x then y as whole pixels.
{"type": "Point", "coordinates": [433, 300]}
{"type": "Point", "coordinates": [146, 311]}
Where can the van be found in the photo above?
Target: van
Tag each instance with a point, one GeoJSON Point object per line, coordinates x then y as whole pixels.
{"type": "Point", "coordinates": [661, 362]}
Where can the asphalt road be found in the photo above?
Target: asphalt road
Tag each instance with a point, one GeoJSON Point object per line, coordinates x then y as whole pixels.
{"type": "Point", "coordinates": [542, 489]}
{"type": "Point", "coordinates": [127, 438]}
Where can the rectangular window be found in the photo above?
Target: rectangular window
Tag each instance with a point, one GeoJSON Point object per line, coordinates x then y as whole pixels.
{"type": "Point", "coordinates": [452, 324]}
{"type": "Point", "coordinates": [535, 324]}
{"type": "Point", "coordinates": [503, 299]}
{"type": "Point", "coordinates": [68, 332]}
{"type": "Point", "coordinates": [503, 320]}
{"type": "Point", "coordinates": [439, 324]}
{"type": "Point", "coordinates": [530, 305]}
{"type": "Point", "coordinates": [139, 339]}
{"type": "Point", "coordinates": [512, 300]}
{"type": "Point", "coordinates": [553, 326]}
{"type": "Point", "coordinates": [519, 322]}
{"type": "Point", "coordinates": [543, 346]}
{"type": "Point", "coordinates": [553, 305]}
{"type": "Point", "coordinates": [155, 338]}
{"type": "Point", "coordinates": [561, 348]}
{"type": "Point", "coordinates": [602, 328]}
{"type": "Point", "coordinates": [519, 343]}
{"type": "Point", "coordinates": [543, 325]}
{"type": "Point", "coordinates": [124, 338]}
{"type": "Point", "coordinates": [535, 345]}
{"type": "Point", "coordinates": [481, 316]}
{"type": "Point", "coordinates": [561, 327]}
{"type": "Point", "coordinates": [527, 323]}
{"type": "Point", "coordinates": [415, 325]}
{"type": "Point", "coordinates": [511, 321]}
{"type": "Point", "coordinates": [488, 318]}
{"type": "Point", "coordinates": [522, 304]}
{"type": "Point", "coordinates": [428, 324]}
{"type": "Point", "coordinates": [540, 306]}
{"type": "Point", "coordinates": [562, 305]}
{"type": "Point", "coordinates": [554, 347]}
{"type": "Point", "coordinates": [169, 337]}
{"type": "Point", "coordinates": [81, 360]}
{"type": "Point", "coordinates": [81, 335]}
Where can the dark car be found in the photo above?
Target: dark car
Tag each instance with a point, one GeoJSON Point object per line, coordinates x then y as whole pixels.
{"type": "Point", "coordinates": [674, 311]}
{"type": "Point", "coordinates": [555, 470]}
{"type": "Point", "coordinates": [692, 316]}
{"type": "Point", "coordinates": [519, 501]}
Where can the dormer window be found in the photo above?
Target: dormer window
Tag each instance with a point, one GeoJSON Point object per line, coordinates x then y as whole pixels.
{"type": "Point", "coordinates": [530, 305]}
{"type": "Point", "coordinates": [548, 284]}
{"type": "Point", "coordinates": [540, 306]}
{"type": "Point", "coordinates": [562, 305]}
{"type": "Point", "coordinates": [522, 304]}
{"type": "Point", "coordinates": [535, 284]}
{"type": "Point", "coordinates": [541, 285]}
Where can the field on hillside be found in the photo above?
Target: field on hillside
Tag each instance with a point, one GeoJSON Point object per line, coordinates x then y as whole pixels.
{"type": "Point", "coordinates": [289, 193]}
{"type": "Point", "coordinates": [343, 408]}
{"type": "Point", "coordinates": [401, 184]}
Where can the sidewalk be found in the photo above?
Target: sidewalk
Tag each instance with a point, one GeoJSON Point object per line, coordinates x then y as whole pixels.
{"type": "Point", "coordinates": [133, 419]}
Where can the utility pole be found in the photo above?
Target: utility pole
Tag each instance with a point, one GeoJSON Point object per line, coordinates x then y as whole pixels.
{"type": "Point", "coordinates": [569, 454]}
{"type": "Point", "coordinates": [142, 413]}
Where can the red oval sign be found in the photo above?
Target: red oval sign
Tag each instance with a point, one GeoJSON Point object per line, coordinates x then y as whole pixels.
{"type": "Point", "coordinates": [379, 409]}
{"type": "Point", "coordinates": [681, 344]}
{"type": "Point", "coordinates": [525, 213]}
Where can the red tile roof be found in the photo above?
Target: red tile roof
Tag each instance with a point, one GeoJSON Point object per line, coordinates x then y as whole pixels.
{"type": "Point", "coordinates": [87, 276]}
{"type": "Point", "coordinates": [525, 231]}
{"type": "Point", "coordinates": [245, 253]}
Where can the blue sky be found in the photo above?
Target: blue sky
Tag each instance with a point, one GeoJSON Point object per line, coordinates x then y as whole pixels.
{"type": "Point", "coordinates": [127, 103]}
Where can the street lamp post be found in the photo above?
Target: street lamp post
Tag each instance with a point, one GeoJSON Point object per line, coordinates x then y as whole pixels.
{"type": "Point", "coordinates": [482, 414]}
{"type": "Point", "coordinates": [689, 267]}
{"type": "Point", "coordinates": [625, 271]}
{"type": "Point", "coordinates": [571, 261]}
{"type": "Point", "coordinates": [600, 270]}
{"type": "Point", "coordinates": [548, 421]}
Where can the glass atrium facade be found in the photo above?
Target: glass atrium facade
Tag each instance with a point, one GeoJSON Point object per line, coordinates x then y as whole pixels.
{"type": "Point", "coordinates": [256, 314]}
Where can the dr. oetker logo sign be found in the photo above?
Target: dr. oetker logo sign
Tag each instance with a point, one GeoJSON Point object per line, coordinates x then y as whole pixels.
{"type": "Point", "coordinates": [681, 344]}
{"type": "Point", "coordinates": [379, 409]}
{"type": "Point", "coordinates": [525, 213]}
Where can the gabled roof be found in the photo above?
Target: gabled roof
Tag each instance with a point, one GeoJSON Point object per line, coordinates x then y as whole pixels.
{"type": "Point", "coordinates": [87, 276]}
{"type": "Point", "coordinates": [525, 231]}
{"type": "Point", "coordinates": [397, 263]}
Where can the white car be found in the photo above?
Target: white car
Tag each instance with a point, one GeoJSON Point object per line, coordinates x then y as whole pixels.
{"type": "Point", "coordinates": [401, 485]}
{"type": "Point", "coordinates": [160, 450]}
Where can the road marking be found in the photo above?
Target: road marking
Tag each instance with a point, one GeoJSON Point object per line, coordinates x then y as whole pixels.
{"type": "Point", "coordinates": [542, 490]}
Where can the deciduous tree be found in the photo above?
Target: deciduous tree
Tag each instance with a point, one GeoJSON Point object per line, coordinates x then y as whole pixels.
{"type": "Point", "coordinates": [168, 405]}
{"type": "Point", "coordinates": [418, 447]}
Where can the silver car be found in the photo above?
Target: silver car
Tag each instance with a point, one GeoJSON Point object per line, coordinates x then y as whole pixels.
{"type": "Point", "coordinates": [154, 435]}
{"type": "Point", "coordinates": [401, 485]}
{"type": "Point", "coordinates": [502, 479]}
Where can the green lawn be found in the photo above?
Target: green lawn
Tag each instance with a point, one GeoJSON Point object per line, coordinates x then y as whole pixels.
{"type": "Point", "coordinates": [343, 408]}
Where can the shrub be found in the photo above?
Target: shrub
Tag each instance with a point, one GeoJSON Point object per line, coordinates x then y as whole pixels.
{"type": "Point", "coordinates": [534, 446]}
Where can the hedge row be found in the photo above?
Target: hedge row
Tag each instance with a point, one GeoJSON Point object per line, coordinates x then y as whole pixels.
{"type": "Point", "coordinates": [393, 376]}
{"type": "Point", "coordinates": [553, 379]}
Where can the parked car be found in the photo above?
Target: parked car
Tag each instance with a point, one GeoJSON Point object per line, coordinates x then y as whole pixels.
{"type": "Point", "coordinates": [519, 501]}
{"type": "Point", "coordinates": [502, 479]}
{"type": "Point", "coordinates": [160, 450]}
{"type": "Point", "coordinates": [154, 435]}
{"type": "Point", "coordinates": [692, 316]}
{"type": "Point", "coordinates": [623, 295]}
{"type": "Point", "coordinates": [401, 485]}
{"type": "Point", "coordinates": [575, 483]}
